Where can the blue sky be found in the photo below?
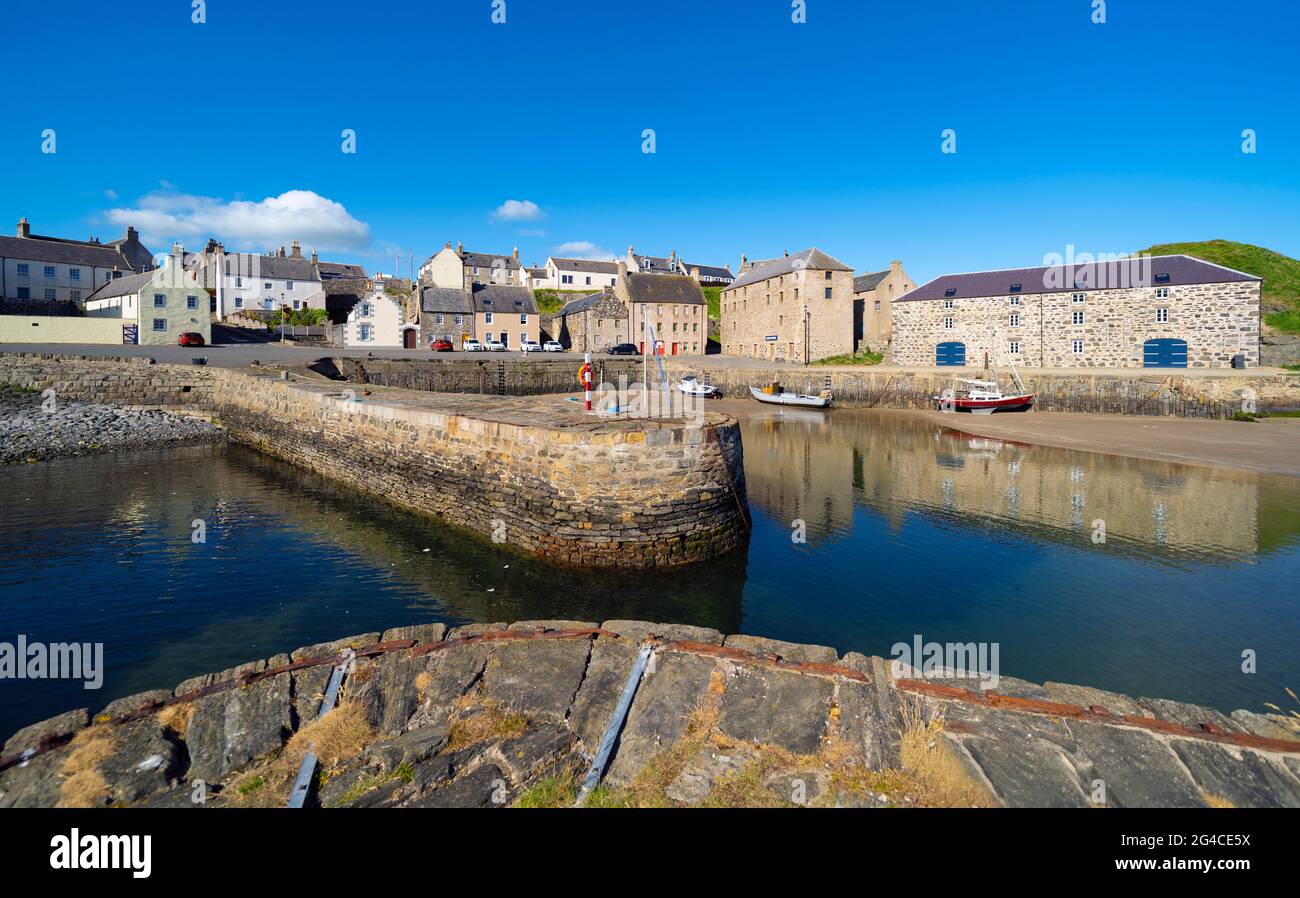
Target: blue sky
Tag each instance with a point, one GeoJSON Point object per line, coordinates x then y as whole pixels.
{"type": "Point", "coordinates": [770, 135]}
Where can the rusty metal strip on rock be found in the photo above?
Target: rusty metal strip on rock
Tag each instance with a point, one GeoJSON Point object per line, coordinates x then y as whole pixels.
{"type": "Point", "coordinates": [766, 659]}
{"type": "Point", "coordinates": [1206, 731]}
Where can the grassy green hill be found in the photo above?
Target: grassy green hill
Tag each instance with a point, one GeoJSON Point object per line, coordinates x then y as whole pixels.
{"type": "Point", "coordinates": [1281, 274]}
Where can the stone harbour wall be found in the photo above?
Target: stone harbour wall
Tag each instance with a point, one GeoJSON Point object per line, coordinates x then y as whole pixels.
{"type": "Point", "coordinates": [538, 475]}
{"type": "Point", "coordinates": [1157, 393]}
{"type": "Point", "coordinates": [494, 715]}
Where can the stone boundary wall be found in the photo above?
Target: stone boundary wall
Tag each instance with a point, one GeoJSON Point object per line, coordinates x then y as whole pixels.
{"type": "Point", "coordinates": [1124, 394]}
{"type": "Point", "coordinates": [548, 481]}
{"type": "Point", "coordinates": [485, 374]}
{"type": "Point", "coordinates": [487, 715]}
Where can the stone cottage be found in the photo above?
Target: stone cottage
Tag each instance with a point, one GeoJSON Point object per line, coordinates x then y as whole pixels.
{"type": "Point", "coordinates": [157, 306]}
{"type": "Point", "coordinates": [1150, 311]}
{"type": "Point", "coordinates": [591, 323]}
{"type": "Point", "coordinates": [797, 308]}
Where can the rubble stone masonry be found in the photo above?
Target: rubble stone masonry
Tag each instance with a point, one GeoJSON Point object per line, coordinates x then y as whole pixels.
{"type": "Point", "coordinates": [1040, 330]}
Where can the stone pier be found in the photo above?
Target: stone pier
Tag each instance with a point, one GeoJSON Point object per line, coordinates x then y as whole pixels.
{"type": "Point", "coordinates": [494, 715]}
{"type": "Point", "coordinates": [536, 474]}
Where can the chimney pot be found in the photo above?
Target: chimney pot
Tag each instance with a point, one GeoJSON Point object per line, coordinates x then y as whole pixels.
{"type": "Point", "coordinates": [24, 229]}
{"type": "Point", "coordinates": [896, 265]}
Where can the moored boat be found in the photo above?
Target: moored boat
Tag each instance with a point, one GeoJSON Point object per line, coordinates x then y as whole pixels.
{"type": "Point", "coordinates": [691, 386]}
{"type": "Point", "coordinates": [984, 397]}
{"type": "Point", "coordinates": [777, 396]}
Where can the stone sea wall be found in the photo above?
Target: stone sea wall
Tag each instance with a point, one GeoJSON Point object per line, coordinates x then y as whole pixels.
{"type": "Point", "coordinates": [483, 373]}
{"type": "Point", "coordinates": [537, 475]}
{"type": "Point", "coordinates": [1128, 393]}
{"type": "Point", "coordinates": [493, 715]}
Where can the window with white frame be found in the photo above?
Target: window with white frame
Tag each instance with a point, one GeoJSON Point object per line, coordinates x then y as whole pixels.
{"type": "Point", "coordinates": [297, 305]}
{"type": "Point", "coordinates": [23, 269]}
{"type": "Point", "coordinates": [1015, 347]}
{"type": "Point", "coordinates": [74, 274]}
{"type": "Point", "coordinates": [49, 271]}
{"type": "Point", "coordinates": [1015, 319]}
{"type": "Point", "coordinates": [267, 285]}
{"type": "Point", "coordinates": [523, 317]}
{"type": "Point", "coordinates": [460, 319]}
{"type": "Point", "coordinates": [239, 302]}
{"type": "Point", "coordinates": [487, 319]}
{"type": "Point", "coordinates": [947, 323]}
{"type": "Point", "coordinates": [367, 310]}
{"type": "Point", "coordinates": [1162, 316]}
{"type": "Point", "coordinates": [1015, 300]}
{"type": "Point", "coordinates": [288, 285]}
{"type": "Point", "coordinates": [1078, 297]}
{"type": "Point", "coordinates": [1076, 317]}
{"type": "Point", "coordinates": [239, 281]}
{"type": "Point", "coordinates": [437, 319]}
{"type": "Point", "coordinates": [1162, 293]}
{"type": "Point", "coordinates": [1077, 345]}
{"type": "Point", "coordinates": [51, 294]}
{"type": "Point", "coordinates": [160, 300]}
{"type": "Point", "coordinates": [367, 333]}
{"type": "Point", "coordinates": [74, 295]}
{"type": "Point", "coordinates": [947, 303]}
{"type": "Point", "coordinates": [160, 324]}
{"type": "Point", "coordinates": [191, 302]}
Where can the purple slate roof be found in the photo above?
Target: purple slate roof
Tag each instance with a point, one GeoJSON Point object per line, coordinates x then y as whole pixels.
{"type": "Point", "coordinates": [1068, 278]}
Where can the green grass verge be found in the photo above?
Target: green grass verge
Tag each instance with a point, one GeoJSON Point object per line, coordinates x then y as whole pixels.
{"type": "Point", "coordinates": [1281, 290]}
{"type": "Point", "coordinates": [865, 357]}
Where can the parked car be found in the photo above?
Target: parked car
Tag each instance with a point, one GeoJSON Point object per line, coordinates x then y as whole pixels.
{"type": "Point", "coordinates": [530, 346]}
{"type": "Point", "coordinates": [622, 349]}
{"type": "Point", "coordinates": [552, 346]}
{"type": "Point", "coordinates": [472, 346]}
{"type": "Point", "coordinates": [191, 338]}
{"type": "Point", "coordinates": [495, 346]}
{"type": "Point", "coordinates": [443, 345]}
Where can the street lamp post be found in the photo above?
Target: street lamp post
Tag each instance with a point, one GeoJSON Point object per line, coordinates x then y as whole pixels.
{"type": "Point", "coordinates": [284, 317]}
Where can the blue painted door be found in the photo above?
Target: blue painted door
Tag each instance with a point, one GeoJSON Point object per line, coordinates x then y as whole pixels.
{"type": "Point", "coordinates": [950, 354]}
{"type": "Point", "coordinates": [1164, 353]}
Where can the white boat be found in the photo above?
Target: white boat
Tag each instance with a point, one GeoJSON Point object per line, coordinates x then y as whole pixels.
{"type": "Point", "coordinates": [781, 397]}
{"type": "Point", "coordinates": [691, 386]}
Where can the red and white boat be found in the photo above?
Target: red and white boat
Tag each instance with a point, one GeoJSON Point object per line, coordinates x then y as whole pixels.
{"type": "Point", "coordinates": [984, 397]}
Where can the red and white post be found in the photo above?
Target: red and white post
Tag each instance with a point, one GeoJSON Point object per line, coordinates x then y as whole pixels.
{"type": "Point", "coordinates": [586, 377]}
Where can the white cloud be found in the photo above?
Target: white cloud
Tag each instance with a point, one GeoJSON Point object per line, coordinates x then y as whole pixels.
{"type": "Point", "coordinates": [518, 210]}
{"type": "Point", "coordinates": [302, 215]}
{"type": "Point", "coordinates": [110, 194]}
{"type": "Point", "coordinates": [583, 249]}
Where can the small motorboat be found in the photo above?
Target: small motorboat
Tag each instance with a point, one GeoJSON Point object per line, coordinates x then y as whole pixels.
{"type": "Point", "coordinates": [692, 386]}
{"type": "Point", "coordinates": [984, 397]}
{"type": "Point", "coordinates": [774, 395]}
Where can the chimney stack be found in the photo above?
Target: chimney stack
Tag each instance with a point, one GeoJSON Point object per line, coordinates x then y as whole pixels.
{"type": "Point", "coordinates": [131, 234]}
{"type": "Point", "coordinates": [516, 254]}
{"type": "Point", "coordinates": [896, 265]}
{"type": "Point", "coordinates": [460, 248]}
{"type": "Point", "coordinates": [622, 268]}
{"type": "Point", "coordinates": [24, 229]}
{"type": "Point", "coordinates": [314, 259]}
{"type": "Point", "coordinates": [295, 250]}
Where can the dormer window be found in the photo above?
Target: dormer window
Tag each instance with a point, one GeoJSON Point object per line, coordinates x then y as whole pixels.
{"type": "Point", "coordinates": [1162, 278]}
{"type": "Point", "coordinates": [951, 291]}
{"type": "Point", "coordinates": [1015, 288]}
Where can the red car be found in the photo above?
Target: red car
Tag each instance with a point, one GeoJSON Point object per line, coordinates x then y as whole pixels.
{"type": "Point", "coordinates": [442, 346]}
{"type": "Point", "coordinates": [190, 338]}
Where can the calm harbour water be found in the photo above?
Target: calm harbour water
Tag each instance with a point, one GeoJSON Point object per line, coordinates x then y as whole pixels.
{"type": "Point", "coordinates": [910, 530]}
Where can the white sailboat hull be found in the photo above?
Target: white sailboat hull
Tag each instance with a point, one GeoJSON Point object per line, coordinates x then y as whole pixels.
{"type": "Point", "coordinates": [790, 399]}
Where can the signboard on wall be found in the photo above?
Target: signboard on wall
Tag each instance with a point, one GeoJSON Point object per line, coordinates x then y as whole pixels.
{"type": "Point", "coordinates": [772, 338]}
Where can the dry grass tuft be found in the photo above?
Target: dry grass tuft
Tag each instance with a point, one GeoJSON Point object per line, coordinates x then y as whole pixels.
{"type": "Point", "coordinates": [85, 786]}
{"type": "Point", "coordinates": [491, 723]}
{"type": "Point", "coordinates": [1217, 801]}
{"type": "Point", "coordinates": [339, 735]}
{"type": "Point", "coordinates": [935, 777]}
{"type": "Point", "coordinates": [177, 718]}
{"type": "Point", "coordinates": [423, 680]}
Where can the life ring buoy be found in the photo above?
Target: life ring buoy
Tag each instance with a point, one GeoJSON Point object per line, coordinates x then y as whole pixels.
{"type": "Point", "coordinates": [584, 375]}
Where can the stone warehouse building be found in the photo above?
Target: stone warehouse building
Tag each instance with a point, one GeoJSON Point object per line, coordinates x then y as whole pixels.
{"type": "Point", "coordinates": [797, 308]}
{"type": "Point", "coordinates": [672, 305]}
{"type": "Point", "coordinates": [591, 323]}
{"type": "Point", "coordinates": [873, 299]}
{"type": "Point", "coordinates": [1152, 311]}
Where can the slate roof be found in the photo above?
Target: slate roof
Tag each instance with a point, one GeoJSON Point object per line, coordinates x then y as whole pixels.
{"type": "Point", "coordinates": [331, 270]}
{"type": "Point", "coordinates": [582, 303]}
{"type": "Point", "coordinates": [1180, 269]}
{"type": "Point", "coordinates": [503, 298]}
{"type": "Point", "coordinates": [865, 282]}
{"type": "Point", "coordinates": [123, 286]}
{"type": "Point", "coordinates": [489, 260]}
{"type": "Point", "coordinates": [663, 288]}
{"type": "Point", "coordinates": [586, 265]}
{"type": "Point", "coordinates": [286, 269]}
{"type": "Point", "coordinates": [654, 264]}
{"type": "Point", "coordinates": [65, 252]}
{"type": "Point", "coordinates": [710, 271]}
{"type": "Point", "coordinates": [770, 268]}
{"type": "Point", "coordinates": [445, 299]}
